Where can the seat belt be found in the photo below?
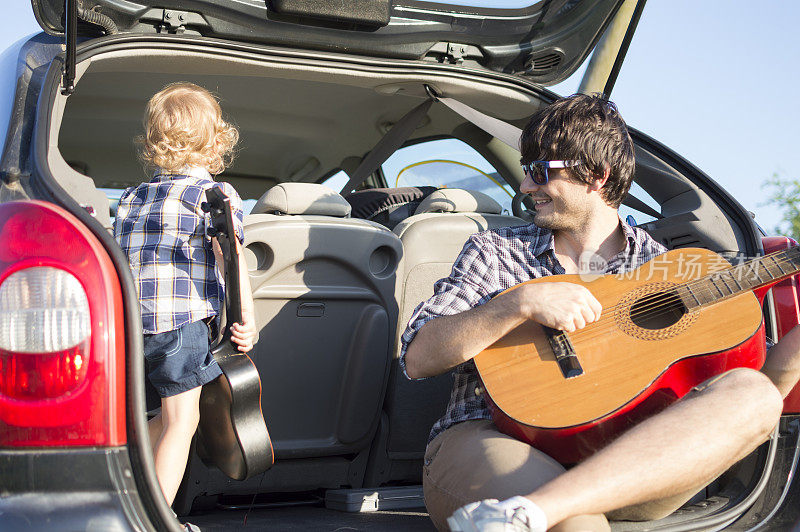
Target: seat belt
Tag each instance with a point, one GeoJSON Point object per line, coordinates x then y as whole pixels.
{"type": "Point", "coordinates": [637, 204]}
{"type": "Point", "coordinates": [389, 143]}
{"type": "Point", "coordinates": [502, 131]}
{"type": "Point", "coordinates": [399, 133]}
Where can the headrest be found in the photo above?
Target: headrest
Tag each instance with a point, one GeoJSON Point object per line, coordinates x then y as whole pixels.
{"type": "Point", "coordinates": [387, 206]}
{"type": "Point", "coordinates": [302, 198]}
{"type": "Point", "coordinates": [459, 200]}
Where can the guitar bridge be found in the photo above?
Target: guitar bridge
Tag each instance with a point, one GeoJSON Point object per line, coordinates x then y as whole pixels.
{"type": "Point", "coordinates": [565, 354]}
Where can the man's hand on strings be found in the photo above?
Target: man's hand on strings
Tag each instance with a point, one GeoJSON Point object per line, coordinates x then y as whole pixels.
{"type": "Point", "coordinates": [563, 306]}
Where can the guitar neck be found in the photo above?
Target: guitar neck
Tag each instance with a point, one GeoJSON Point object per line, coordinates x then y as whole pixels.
{"type": "Point", "coordinates": [223, 228]}
{"type": "Point", "coordinates": [233, 307]}
{"type": "Point", "coordinates": [745, 277]}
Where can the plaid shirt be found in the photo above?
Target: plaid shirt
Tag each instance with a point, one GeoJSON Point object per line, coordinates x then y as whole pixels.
{"type": "Point", "coordinates": [162, 229]}
{"type": "Point", "coordinates": [491, 262]}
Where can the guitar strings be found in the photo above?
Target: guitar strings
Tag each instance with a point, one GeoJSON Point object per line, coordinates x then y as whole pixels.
{"type": "Point", "coordinates": [665, 301]}
{"type": "Point", "coordinates": [784, 260]}
{"type": "Point", "coordinates": [674, 297]}
{"type": "Point", "coordinates": [700, 288]}
{"type": "Point", "coordinates": [597, 328]}
{"type": "Point", "coordinates": [663, 304]}
{"type": "Point", "coordinates": [671, 297]}
{"type": "Point", "coordinates": [605, 321]}
{"type": "Point", "coordinates": [706, 286]}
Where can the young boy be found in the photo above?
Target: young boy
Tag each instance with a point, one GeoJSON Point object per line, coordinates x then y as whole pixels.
{"type": "Point", "coordinates": [161, 227]}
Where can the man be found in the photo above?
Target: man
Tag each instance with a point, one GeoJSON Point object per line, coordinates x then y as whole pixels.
{"type": "Point", "coordinates": [579, 164]}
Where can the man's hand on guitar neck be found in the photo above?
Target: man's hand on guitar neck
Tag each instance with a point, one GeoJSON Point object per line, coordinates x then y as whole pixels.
{"type": "Point", "coordinates": [448, 341]}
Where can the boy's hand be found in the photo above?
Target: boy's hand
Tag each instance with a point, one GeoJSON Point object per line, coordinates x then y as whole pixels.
{"type": "Point", "coordinates": [243, 334]}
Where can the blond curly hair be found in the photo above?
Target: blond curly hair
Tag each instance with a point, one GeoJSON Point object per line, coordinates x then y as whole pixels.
{"type": "Point", "coordinates": [184, 127]}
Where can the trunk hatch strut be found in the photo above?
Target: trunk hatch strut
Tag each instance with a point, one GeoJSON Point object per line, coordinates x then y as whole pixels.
{"type": "Point", "coordinates": [70, 35]}
{"type": "Point", "coordinates": [609, 53]}
{"type": "Point", "coordinates": [623, 49]}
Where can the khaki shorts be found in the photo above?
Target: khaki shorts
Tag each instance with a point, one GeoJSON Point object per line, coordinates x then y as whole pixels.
{"type": "Point", "coordinates": [472, 461]}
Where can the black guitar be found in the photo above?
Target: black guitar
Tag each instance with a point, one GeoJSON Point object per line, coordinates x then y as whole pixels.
{"type": "Point", "coordinates": [232, 434]}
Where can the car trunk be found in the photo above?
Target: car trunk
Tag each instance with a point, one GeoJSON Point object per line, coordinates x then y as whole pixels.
{"type": "Point", "coordinates": [303, 117]}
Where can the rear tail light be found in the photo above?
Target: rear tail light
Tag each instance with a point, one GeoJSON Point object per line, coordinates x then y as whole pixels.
{"type": "Point", "coordinates": [61, 341]}
{"type": "Point", "coordinates": [44, 353]}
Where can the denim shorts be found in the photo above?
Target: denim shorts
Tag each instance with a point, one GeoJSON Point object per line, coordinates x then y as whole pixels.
{"type": "Point", "coordinates": [178, 361]}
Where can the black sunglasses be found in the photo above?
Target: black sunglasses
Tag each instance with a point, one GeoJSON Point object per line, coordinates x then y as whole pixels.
{"type": "Point", "coordinates": [537, 170]}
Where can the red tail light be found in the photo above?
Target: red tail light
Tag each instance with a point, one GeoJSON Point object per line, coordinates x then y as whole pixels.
{"type": "Point", "coordinates": [28, 376]}
{"type": "Point", "coordinates": [61, 332]}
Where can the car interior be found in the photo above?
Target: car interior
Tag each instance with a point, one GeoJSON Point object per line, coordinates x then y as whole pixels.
{"type": "Point", "coordinates": [335, 277]}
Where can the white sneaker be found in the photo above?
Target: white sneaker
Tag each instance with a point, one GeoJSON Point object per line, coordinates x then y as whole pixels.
{"type": "Point", "coordinates": [491, 516]}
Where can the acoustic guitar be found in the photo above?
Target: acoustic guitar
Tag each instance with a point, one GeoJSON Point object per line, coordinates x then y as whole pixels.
{"type": "Point", "coordinates": [232, 434]}
{"type": "Point", "coordinates": [682, 318]}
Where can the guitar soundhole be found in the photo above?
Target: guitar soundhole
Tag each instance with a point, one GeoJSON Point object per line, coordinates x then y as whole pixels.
{"type": "Point", "coordinates": [657, 311]}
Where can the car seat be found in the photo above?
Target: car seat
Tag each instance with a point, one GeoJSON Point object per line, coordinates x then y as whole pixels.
{"type": "Point", "coordinates": [432, 239]}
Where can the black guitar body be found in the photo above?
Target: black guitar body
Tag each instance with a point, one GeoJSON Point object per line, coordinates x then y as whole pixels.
{"type": "Point", "coordinates": [232, 434]}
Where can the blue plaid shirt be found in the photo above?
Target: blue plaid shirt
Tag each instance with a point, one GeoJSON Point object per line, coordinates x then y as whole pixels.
{"type": "Point", "coordinates": [491, 262]}
{"type": "Point", "coordinates": [162, 229]}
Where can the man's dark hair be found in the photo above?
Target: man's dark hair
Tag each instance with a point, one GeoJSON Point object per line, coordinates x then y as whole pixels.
{"type": "Point", "coordinates": [588, 128]}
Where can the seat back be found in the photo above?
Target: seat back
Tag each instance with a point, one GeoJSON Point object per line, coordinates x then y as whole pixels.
{"type": "Point", "coordinates": [323, 287]}
{"type": "Point", "coordinates": [432, 239]}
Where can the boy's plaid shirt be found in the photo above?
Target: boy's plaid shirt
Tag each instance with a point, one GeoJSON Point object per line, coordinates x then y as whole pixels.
{"type": "Point", "coordinates": [489, 263]}
{"type": "Point", "coordinates": [162, 230]}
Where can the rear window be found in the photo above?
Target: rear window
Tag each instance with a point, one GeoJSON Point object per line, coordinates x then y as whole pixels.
{"type": "Point", "coordinates": [447, 163]}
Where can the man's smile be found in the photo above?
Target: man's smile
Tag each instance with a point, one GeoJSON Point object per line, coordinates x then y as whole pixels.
{"type": "Point", "coordinates": [540, 202]}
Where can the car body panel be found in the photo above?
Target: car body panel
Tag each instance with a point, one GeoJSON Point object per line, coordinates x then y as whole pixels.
{"type": "Point", "coordinates": [786, 295]}
{"type": "Point", "coordinates": [545, 42]}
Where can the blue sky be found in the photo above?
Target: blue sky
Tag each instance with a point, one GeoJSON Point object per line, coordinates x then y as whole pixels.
{"type": "Point", "coordinates": [713, 80]}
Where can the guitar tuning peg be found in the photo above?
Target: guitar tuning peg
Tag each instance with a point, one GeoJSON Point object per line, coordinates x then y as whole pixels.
{"type": "Point", "coordinates": [205, 206]}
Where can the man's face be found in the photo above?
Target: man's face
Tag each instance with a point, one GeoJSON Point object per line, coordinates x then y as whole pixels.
{"type": "Point", "coordinates": [563, 203]}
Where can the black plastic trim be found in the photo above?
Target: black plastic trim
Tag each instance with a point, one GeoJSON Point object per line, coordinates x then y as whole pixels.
{"type": "Point", "coordinates": [71, 487]}
{"type": "Point", "coordinates": [370, 12]}
{"type": "Point", "coordinates": [71, 26]}
{"type": "Point", "coordinates": [442, 7]}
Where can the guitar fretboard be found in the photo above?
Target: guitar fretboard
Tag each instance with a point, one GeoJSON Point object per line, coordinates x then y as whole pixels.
{"type": "Point", "coordinates": [740, 278]}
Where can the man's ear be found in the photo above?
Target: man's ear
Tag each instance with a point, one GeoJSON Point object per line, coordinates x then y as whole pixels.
{"type": "Point", "coordinates": [600, 181]}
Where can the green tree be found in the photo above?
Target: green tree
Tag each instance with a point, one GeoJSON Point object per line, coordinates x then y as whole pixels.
{"type": "Point", "coordinates": [784, 194]}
